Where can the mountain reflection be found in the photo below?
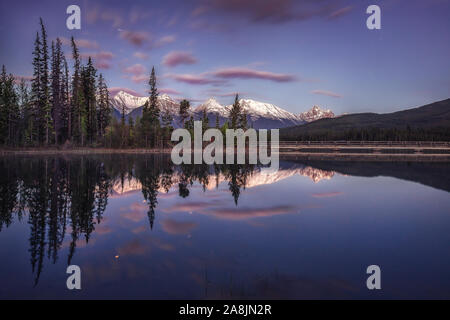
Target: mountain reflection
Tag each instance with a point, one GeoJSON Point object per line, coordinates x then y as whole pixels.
{"type": "Point", "coordinates": [66, 197]}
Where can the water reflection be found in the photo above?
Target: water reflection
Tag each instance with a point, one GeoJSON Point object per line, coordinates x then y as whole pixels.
{"type": "Point", "coordinates": [66, 197]}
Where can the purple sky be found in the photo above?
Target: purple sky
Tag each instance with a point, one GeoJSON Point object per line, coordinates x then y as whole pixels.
{"type": "Point", "coordinates": [288, 52]}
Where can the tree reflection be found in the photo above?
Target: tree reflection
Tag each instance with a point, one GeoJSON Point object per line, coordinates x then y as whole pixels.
{"type": "Point", "coordinates": [70, 195]}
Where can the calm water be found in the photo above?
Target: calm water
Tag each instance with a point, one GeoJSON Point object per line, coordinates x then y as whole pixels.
{"type": "Point", "coordinates": [140, 228]}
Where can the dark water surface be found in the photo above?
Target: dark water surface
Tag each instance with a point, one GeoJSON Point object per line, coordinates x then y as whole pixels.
{"type": "Point", "coordinates": [141, 228]}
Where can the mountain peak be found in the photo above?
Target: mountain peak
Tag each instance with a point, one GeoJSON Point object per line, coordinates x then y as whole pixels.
{"type": "Point", "coordinates": [316, 113]}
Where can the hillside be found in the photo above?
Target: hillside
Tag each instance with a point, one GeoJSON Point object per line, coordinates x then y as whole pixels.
{"type": "Point", "coordinates": [428, 118]}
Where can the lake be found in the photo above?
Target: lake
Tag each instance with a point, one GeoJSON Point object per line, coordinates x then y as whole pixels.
{"type": "Point", "coordinates": [139, 227]}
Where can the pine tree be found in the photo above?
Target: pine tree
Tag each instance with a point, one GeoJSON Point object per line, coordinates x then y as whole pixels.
{"type": "Point", "coordinates": [235, 113]}
{"type": "Point", "coordinates": [243, 123]}
{"type": "Point", "coordinates": [35, 121]}
{"type": "Point", "coordinates": [25, 113]}
{"type": "Point", "coordinates": [184, 111]}
{"type": "Point", "coordinates": [65, 100]}
{"type": "Point", "coordinates": [103, 109]}
{"type": "Point", "coordinates": [9, 110]}
{"type": "Point", "coordinates": [57, 92]}
{"type": "Point", "coordinates": [89, 113]}
{"type": "Point", "coordinates": [75, 116]}
{"type": "Point", "coordinates": [205, 121]}
{"type": "Point", "coordinates": [150, 113]}
{"type": "Point", "coordinates": [217, 121]}
{"type": "Point", "coordinates": [45, 107]}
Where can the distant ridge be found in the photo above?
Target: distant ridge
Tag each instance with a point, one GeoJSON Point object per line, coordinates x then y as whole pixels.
{"type": "Point", "coordinates": [427, 117]}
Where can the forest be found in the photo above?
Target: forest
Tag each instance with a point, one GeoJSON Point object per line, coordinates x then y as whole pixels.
{"type": "Point", "coordinates": [68, 106]}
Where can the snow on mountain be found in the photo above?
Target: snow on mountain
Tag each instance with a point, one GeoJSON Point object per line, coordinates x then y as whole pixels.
{"type": "Point", "coordinates": [126, 101]}
{"type": "Point", "coordinates": [257, 109]}
{"type": "Point", "coordinates": [316, 113]}
{"type": "Point", "coordinates": [258, 177]}
{"type": "Point", "coordinates": [212, 106]}
{"type": "Point", "coordinates": [133, 105]}
{"type": "Point", "coordinates": [260, 115]}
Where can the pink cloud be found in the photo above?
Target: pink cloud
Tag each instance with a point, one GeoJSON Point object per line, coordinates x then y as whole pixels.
{"type": "Point", "coordinates": [246, 73]}
{"type": "Point", "coordinates": [175, 58]}
{"type": "Point", "coordinates": [102, 55]}
{"type": "Point", "coordinates": [195, 79]}
{"type": "Point", "coordinates": [248, 213]}
{"type": "Point", "coordinates": [81, 43]}
{"type": "Point", "coordinates": [136, 69]}
{"type": "Point", "coordinates": [340, 12]}
{"type": "Point", "coordinates": [327, 93]}
{"type": "Point", "coordinates": [272, 11]}
{"type": "Point", "coordinates": [104, 14]}
{"type": "Point", "coordinates": [136, 38]}
{"type": "Point", "coordinates": [176, 227]}
{"type": "Point", "coordinates": [101, 59]}
{"type": "Point", "coordinates": [102, 65]}
{"type": "Point", "coordinates": [141, 55]}
{"type": "Point", "coordinates": [169, 91]}
{"type": "Point", "coordinates": [165, 40]}
{"type": "Point", "coordinates": [139, 78]}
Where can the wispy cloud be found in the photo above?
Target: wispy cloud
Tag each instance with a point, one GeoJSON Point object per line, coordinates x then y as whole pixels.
{"type": "Point", "coordinates": [102, 59]}
{"type": "Point", "coordinates": [169, 91]}
{"type": "Point", "coordinates": [104, 14]}
{"type": "Point", "coordinates": [270, 11]}
{"type": "Point", "coordinates": [177, 227]}
{"type": "Point", "coordinates": [136, 69]}
{"type": "Point", "coordinates": [327, 93]}
{"type": "Point", "coordinates": [81, 43]}
{"type": "Point", "coordinates": [141, 55]}
{"type": "Point", "coordinates": [340, 12]}
{"type": "Point", "coordinates": [136, 38]}
{"type": "Point", "coordinates": [195, 79]}
{"type": "Point", "coordinates": [247, 73]}
{"type": "Point", "coordinates": [175, 58]}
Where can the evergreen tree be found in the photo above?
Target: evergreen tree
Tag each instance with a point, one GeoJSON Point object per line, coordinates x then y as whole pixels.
{"type": "Point", "coordinates": [9, 110]}
{"type": "Point", "coordinates": [205, 121]}
{"type": "Point", "coordinates": [89, 114]}
{"type": "Point", "coordinates": [103, 109]}
{"type": "Point", "coordinates": [150, 114]}
{"type": "Point", "coordinates": [45, 107]}
{"type": "Point", "coordinates": [217, 121]}
{"type": "Point", "coordinates": [57, 89]}
{"type": "Point", "coordinates": [77, 101]}
{"type": "Point", "coordinates": [35, 122]}
{"type": "Point", "coordinates": [235, 113]}
{"type": "Point", "coordinates": [65, 100]}
{"type": "Point", "coordinates": [184, 111]}
{"type": "Point", "coordinates": [243, 120]}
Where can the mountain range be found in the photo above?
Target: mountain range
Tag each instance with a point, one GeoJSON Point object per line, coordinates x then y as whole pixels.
{"type": "Point", "coordinates": [430, 116]}
{"type": "Point", "coordinates": [260, 115]}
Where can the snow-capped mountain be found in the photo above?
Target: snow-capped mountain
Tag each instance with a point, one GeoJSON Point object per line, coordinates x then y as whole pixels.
{"type": "Point", "coordinates": [316, 113]}
{"type": "Point", "coordinates": [212, 106]}
{"type": "Point", "coordinates": [260, 115]}
{"type": "Point", "coordinates": [127, 102]}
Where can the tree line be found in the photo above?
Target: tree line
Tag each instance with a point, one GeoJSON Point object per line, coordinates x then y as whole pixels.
{"type": "Point", "coordinates": [372, 134]}
{"type": "Point", "coordinates": [69, 106]}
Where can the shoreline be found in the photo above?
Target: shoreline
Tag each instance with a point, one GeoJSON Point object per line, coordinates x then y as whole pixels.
{"type": "Point", "coordinates": [284, 155]}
